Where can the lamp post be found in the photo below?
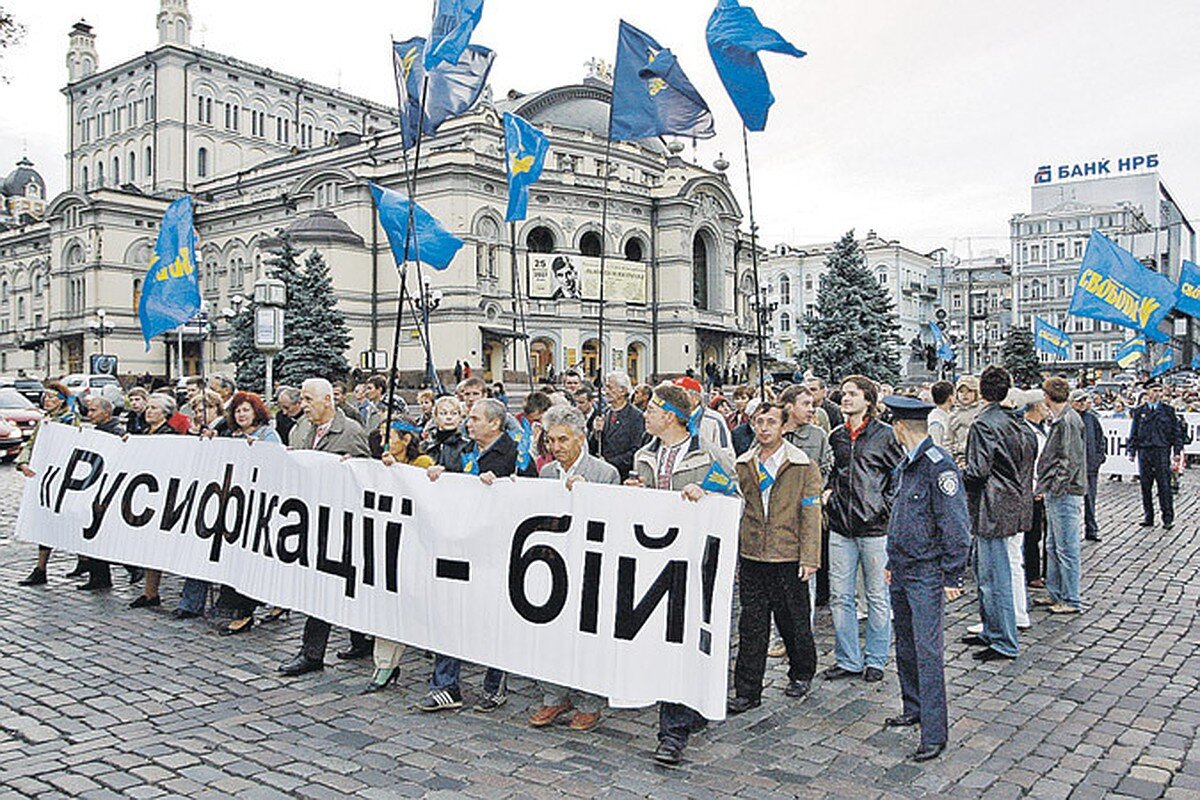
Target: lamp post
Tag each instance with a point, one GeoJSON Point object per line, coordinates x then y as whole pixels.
{"type": "Point", "coordinates": [427, 302]}
{"type": "Point", "coordinates": [270, 297]}
{"type": "Point", "coordinates": [100, 327]}
{"type": "Point", "coordinates": [762, 322]}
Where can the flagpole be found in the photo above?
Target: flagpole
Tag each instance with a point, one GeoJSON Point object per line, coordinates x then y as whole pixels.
{"type": "Point", "coordinates": [758, 297]}
{"type": "Point", "coordinates": [519, 305]}
{"type": "Point", "coordinates": [600, 348]}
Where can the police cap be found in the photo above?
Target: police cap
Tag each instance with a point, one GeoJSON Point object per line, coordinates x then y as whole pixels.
{"type": "Point", "coordinates": [907, 407]}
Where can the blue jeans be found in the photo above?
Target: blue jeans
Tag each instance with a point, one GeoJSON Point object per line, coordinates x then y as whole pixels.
{"type": "Point", "coordinates": [1064, 518]}
{"type": "Point", "coordinates": [993, 573]}
{"type": "Point", "coordinates": [194, 594]}
{"type": "Point", "coordinates": [445, 675]}
{"type": "Point", "coordinates": [846, 553]}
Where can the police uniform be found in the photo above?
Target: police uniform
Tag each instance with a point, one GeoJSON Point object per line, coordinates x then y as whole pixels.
{"type": "Point", "coordinates": [927, 543]}
{"type": "Point", "coordinates": [1155, 432]}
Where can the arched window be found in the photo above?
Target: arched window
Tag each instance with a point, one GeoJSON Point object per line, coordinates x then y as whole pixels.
{"type": "Point", "coordinates": [99, 173]}
{"type": "Point", "coordinates": [85, 178]}
{"type": "Point", "coordinates": [785, 323]}
{"type": "Point", "coordinates": [132, 166]}
{"type": "Point", "coordinates": [634, 250]}
{"type": "Point", "coordinates": [149, 162]}
{"type": "Point", "coordinates": [589, 244]}
{"type": "Point", "coordinates": [5, 291]}
{"type": "Point", "coordinates": [39, 285]}
{"type": "Point", "coordinates": [785, 294]}
{"type": "Point", "coordinates": [488, 232]}
{"type": "Point", "coordinates": [116, 173]}
{"type": "Point", "coordinates": [540, 240]}
{"type": "Point", "coordinates": [699, 271]}
{"type": "Point", "coordinates": [202, 162]}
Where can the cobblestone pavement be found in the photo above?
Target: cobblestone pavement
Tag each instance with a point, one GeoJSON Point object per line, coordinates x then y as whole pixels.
{"type": "Point", "coordinates": [101, 701]}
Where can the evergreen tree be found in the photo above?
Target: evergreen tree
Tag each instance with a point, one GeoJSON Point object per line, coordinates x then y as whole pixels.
{"type": "Point", "coordinates": [251, 365]}
{"type": "Point", "coordinates": [1020, 358]}
{"type": "Point", "coordinates": [855, 329]}
{"type": "Point", "coordinates": [316, 346]}
{"type": "Point", "coordinates": [282, 263]}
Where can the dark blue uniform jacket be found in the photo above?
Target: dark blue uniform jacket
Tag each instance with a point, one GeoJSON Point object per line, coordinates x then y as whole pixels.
{"type": "Point", "coordinates": [929, 525]}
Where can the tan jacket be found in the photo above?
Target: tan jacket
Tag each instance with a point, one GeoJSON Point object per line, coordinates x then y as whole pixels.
{"type": "Point", "coordinates": [345, 437]}
{"type": "Point", "coordinates": [791, 529]}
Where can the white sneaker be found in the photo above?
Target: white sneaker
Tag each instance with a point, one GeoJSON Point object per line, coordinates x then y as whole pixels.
{"type": "Point", "coordinates": [975, 629]}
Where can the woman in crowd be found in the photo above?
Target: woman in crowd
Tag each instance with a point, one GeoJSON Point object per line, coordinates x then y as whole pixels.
{"type": "Point", "coordinates": [159, 409]}
{"type": "Point", "coordinates": [249, 419]}
{"type": "Point", "coordinates": [447, 444]}
{"type": "Point", "coordinates": [404, 449]}
{"type": "Point", "coordinates": [425, 399]}
{"type": "Point", "coordinates": [59, 406]}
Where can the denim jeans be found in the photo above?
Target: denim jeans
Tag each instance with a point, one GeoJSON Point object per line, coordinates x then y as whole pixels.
{"type": "Point", "coordinates": [993, 573]}
{"type": "Point", "coordinates": [193, 597]}
{"type": "Point", "coordinates": [445, 675]}
{"type": "Point", "coordinates": [1064, 518]}
{"type": "Point", "coordinates": [845, 555]}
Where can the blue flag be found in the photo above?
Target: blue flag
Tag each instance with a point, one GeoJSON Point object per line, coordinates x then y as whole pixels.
{"type": "Point", "coordinates": [171, 288]}
{"type": "Point", "coordinates": [944, 350]}
{"type": "Point", "coordinates": [431, 244]}
{"type": "Point", "coordinates": [453, 23]}
{"type": "Point", "coordinates": [524, 439]}
{"type": "Point", "coordinates": [1188, 296]}
{"type": "Point", "coordinates": [765, 479]}
{"type": "Point", "coordinates": [1163, 363]}
{"type": "Point", "coordinates": [651, 96]}
{"type": "Point", "coordinates": [470, 462]}
{"type": "Point", "coordinates": [453, 88]}
{"type": "Point", "coordinates": [693, 420]}
{"type": "Point", "coordinates": [735, 36]}
{"type": "Point", "coordinates": [1196, 361]}
{"type": "Point", "coordinates": [719, 481]}
{"type": "Point", "coordinates": [1130, 352]}
{"type": "Point", "coordinates": [1116, 287]}
{"type": "Point", "coordinates": [525, 150]}
{"type": "Point", "coordinates": [1050, 339]}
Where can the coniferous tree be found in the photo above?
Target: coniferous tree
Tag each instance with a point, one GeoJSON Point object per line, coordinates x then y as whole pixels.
{"type": "Point", "coordinates": [1020, 358]}
{"type": "Point", "coordinates": [315, 347]}
{"type": "Point", "coordinates": [282, 263]}
{"type": "Point", "coordinates": [251, 365]}
{"type": "Point", "coordinates": [855, 329]}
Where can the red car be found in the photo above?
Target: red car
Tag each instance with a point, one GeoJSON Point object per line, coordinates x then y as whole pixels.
{"type": "Point", "coordinates": [11, 440]}
{"type": "Point", "coordinates": [18, 410]}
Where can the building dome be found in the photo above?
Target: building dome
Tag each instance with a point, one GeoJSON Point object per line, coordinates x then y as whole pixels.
{"type": "Point", "coordinates": [20, 179]}
{"type": "Point", "coordinates": [323, 228]}
{"type": "Point", "coordinates": [581, 107]}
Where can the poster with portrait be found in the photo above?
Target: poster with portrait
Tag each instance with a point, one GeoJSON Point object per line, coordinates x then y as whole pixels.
{"type": "Point", "coordinates": [558, 276]}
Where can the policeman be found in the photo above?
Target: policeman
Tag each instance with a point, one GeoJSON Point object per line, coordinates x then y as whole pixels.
{"type": "Point", "coordinates": [927, 543]}
{"type": "Point", "coordinates": [1155, 432]}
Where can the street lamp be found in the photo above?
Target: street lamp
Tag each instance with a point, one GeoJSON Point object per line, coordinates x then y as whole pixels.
{"type": "Point", "coordinates": [270, 297]}
{"type": "Point", "coordinates": [427, 302]}
{"type": "Point", "coordinates": [100, 327]}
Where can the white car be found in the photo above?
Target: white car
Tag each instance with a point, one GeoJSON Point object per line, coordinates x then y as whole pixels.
{"type": "Point", "coordinates": [82, 384]}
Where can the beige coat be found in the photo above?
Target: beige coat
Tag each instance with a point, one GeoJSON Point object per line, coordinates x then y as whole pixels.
{"type": "Point", "coordinates": [791, 528]}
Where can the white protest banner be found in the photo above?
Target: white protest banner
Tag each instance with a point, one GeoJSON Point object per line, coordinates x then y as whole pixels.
{"type": "Point", "coordinates": [1116, 433]}
{"type": "Point", "coordinates": [618, 591]}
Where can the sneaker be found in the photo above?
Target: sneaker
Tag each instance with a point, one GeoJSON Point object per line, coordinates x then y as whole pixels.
{"type": "Point", "coordinates": [1043, 602]}
{"type": "Point", "coordinates": [1063, 608]}
{"type": "Point", "coordinates": [777, 649]}
{"type": "Point", "coordinates": [491, 701]}
{"type": "Point", "coordinates": [441, 700]}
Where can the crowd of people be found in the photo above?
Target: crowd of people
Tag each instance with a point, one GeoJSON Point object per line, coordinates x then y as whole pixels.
{"type": "Point", "coordinates": [859, 497]}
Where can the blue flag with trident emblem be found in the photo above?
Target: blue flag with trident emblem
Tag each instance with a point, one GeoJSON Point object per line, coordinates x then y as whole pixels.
{"type": "Point", "coordinates": [651, 96]}
{"type": "Point", "coordinates": [171, 288]}
{"type": "Point", "coordinates": [525, 150]}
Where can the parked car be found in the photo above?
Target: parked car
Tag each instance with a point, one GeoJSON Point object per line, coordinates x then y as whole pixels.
{"type": "Point", "coordinates": [30, 387]}
{"type": "Point", "coordinates": [82, 385]}
{"type": "Point", "coordinates": [17, 409]}
{"type": "Point", "coordinates": [11, 440]}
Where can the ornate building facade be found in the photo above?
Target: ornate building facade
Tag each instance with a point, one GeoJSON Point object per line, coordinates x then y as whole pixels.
{"type": "Point", "coordinates": [261, 152]}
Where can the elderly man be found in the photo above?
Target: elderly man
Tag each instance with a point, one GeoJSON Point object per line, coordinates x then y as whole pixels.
{"type": "Point", "coordinates": [999, 481]}
{"type": "Point", "coordinates": [1095, 449]}
{"type": "Point", "coordinates": [493, 455]}
{"type": "Point", "coordinates": [566, 435]}
{"type": "Point", "coordinates": [622, 427]}
{"type": "Point", "coordinates": [290, 411]}
{"type": "Point", "coordinates": [675, 460]}
{"type": "Point", "coordinates": [325, 427]}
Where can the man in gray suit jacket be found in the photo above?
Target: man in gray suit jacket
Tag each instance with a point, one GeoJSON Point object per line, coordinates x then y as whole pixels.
{"type": "Point", "coordinates": [566, 435]}
{"type": "Point", "coordinates": [325, 427]}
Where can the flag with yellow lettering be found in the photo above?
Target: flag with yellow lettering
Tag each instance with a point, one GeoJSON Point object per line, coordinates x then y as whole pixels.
{"type": "Point", "coordinates": [1188, 297]}
{"type": "Point", "coordinates": [1116, 287]}
{"type": "Point", "coordinates": [525, 150]}
{"type": "Point", "coordinates": [171, 288]}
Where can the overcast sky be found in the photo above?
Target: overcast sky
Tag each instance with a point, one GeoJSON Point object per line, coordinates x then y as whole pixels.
{"type": "Point", "coordinates": [924, 119]}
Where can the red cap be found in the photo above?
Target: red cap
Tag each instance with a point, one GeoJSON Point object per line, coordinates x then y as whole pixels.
{"type": "Point", "coordinates": [691, 384]}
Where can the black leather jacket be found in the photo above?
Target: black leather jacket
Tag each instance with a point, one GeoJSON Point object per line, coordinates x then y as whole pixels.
{"type": "Point", "coordinates": [1001, 453]}
{"type": "Point", "coordinates": [861, 479]}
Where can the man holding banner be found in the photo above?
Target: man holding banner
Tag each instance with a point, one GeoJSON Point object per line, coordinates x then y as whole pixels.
{"type": "Point", "coordinates": [1155, 433]}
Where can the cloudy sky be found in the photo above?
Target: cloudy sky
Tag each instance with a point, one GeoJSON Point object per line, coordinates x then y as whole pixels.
{"type": "Point", "coordinates": [924, 119]}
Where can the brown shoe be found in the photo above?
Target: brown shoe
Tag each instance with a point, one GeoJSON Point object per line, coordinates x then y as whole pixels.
{"type": "Point", "coordinates": [583, 721]}
{"type": "Point", "coordinates": [1036, 583]}
{"type": "Point", "coordinates": [547, 714]}
{"type": "Point", "coordinates": [777, 649]}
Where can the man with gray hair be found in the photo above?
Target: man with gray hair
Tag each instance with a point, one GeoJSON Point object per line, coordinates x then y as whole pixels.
{"type": "Point", "coordinates": [566, 437]}
{"type": "Point", "coordinates": [326, 428]}
{"type": "Point", "coordinates": [621, 428]}
{"type": "Point", "coordinates": [492, 455]}
{"type": "Point", "coordinates": [290, 411]}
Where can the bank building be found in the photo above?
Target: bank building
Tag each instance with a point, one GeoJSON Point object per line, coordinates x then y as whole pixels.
{"type": "Point", "coordinates": [261, 151]}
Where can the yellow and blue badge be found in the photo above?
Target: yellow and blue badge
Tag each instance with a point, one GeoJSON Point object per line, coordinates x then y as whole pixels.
{"type": "Point", "coordinates": [470, 462]}
{"type": "Point", "coordinates": [765, 479]}
{"type": "Point", "coordinates": [718, 480]}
